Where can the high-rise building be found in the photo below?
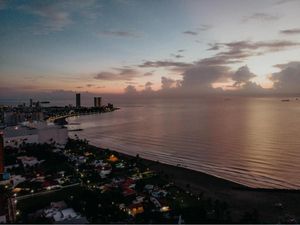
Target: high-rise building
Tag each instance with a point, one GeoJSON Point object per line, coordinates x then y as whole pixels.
{"type": "Point", "coordinates": [97, 102]}
{"type": "Point", "coordinates": [78, 104]}
{"type": "Point", "coordinates": [1, 153]}
{"type": "Point", "coordinates": [30, 103]}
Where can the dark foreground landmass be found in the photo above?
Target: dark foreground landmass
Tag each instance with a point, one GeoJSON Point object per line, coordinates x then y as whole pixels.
{"type": "Point", "coordinates": [105, 186]}
{"type": "Point", "coordinates": [270, 203]}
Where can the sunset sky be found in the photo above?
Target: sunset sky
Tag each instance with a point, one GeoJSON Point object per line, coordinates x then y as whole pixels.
{"type": "Point", "coordinates": [145, 47]}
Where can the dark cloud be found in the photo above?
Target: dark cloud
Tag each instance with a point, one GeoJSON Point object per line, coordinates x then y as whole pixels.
{"type": "Point", "coordinates": [261, 17]}
{"type": "Point", "coordinates": [204, 27]}
{"type": "Point", "coordinates": [130, 90]}
{"type": "Point", "coordinates": [201, 76]}
{"type": "Point", "coordinates": [288, 79]}
{"type": "Point", "coordinates": [242, 76]}
{"type": "Point", "coordinates": [178, 56]}
{"type": "Point", "coordinates": [213, 47]}
{"type": "Point", "coordinates": [236, 52]}
{"type": "Point", "coordinates": [125, 74]}
{"type": "Point", "coordinates": [158, 64]}
{"type": "Point", "coordinates": [119, 34]}
{"type": "Point", "coordinates": [190, 32]}
{"type": "Point", "coordinates": [148, 86]}
{"type": "Point", "coordinates": [79, 87]}
{"type": "Point", "coordinates": [167, 83]}
{"type": "Point", "coordinates": [268, 45]}
{"type": "Point", "coordinates": [291, 31]}
{"type": "Point", "coordinates": [147, 74]}
{"type": "Point", "coordinates": [181, 50]}
{"type": "Point", "coordinates": [90, 85]}
{"type": "Point", "coordinates": [131, 82]}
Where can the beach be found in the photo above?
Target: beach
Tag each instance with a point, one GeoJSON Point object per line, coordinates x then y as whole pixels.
{"type": "Point", "coordinates": [271, 204]}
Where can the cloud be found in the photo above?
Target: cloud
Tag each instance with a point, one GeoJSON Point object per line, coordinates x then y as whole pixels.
{"type": "Point", "coordinates": [264, 17]}
{"type": "Point", "coordinates": [147, 74]}
{"type": "Point", "coordinates": [149, 83]}
{"type": "Point", "coordinates": [177, 66]}
{"type": "Point", "coordinates": [167, 83]}
{"type": "Point", "coordinates": [190, 32]}
{"type": "Point", "coordinates": [288, 79]}
{"type": "Point", "coordinates": [119, 34]}
{"type": "Point", "coordinates": [202, 27]}
{"type": "Point", "coordinates": [130, 90]}
{"type": "Point", "coordinates": [125, 74]}
{"type": "Point", "coordinates": [181, 50]}
{"type": "Point", "coordinates": [201, 76]}
{"type": "Point", "coordinates": [291, 31]}
{"type": "Point", "coordinates": [54, 16]}
{"type": "Point", "coordinates": [90, 85]}
{"type": "Point", "coordinates": [148, 86]}
{"type": "Point", "coordinates": [236, 52]}
{"type": "Point", "coordinates": [178, 56]}
{"type": "Point", "coordinates": [79, 87]}
{"type": "Point", "coordinates": [242, 76]}
{"type": "Point", "coordinates": [213, 47]}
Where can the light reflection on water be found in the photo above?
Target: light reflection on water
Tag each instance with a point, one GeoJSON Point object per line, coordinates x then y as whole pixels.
{"type": "Point", "coordinates": [253, 141]}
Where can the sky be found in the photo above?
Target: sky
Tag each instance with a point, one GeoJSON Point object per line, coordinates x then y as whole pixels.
{"type": "Point", "coordinates": [149, 48]}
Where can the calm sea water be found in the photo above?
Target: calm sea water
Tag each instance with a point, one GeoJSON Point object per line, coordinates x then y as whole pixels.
{"type": "Point", "coordinates": [252, 141]}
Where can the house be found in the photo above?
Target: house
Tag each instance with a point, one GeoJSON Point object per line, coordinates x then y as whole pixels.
{"type": "Point", "coordinates": [128, 183]}
{"type": "Point", "coordinates": [159, 193]}
{"type": "Point", "coordinates": [128, 192]}
{"type": "Point", "coordinates": [29, 161]}
{"type": "Point", "coordinates": [161, 204]}
{"type": "Point", "coordinates": [148, 174]}
{"type": "Point", "coordinates": [120, 165]}
{"type": "Point", "coordinates": [98, 163]}
{"type": "Point", "coordinates": [138, 199]}
{"type": "Point", "coordinates": [112, 158]}
{"type": "Point", "coordinates": [58, 205]}
{"type": "Point", "coordinates": [50, 184]}
{"type": "Point", "coordinates": [59, 213]}
{"type": "Point", "coordinates": [17, 179]}
{"type": "Point", "coordinates": [135, 209]}
{"type": "Point", "coordinates": [149, 187]}
{"type": "Point", "coordinates": [104, 170]}
{"type": "Point", "coordinates": [3, 218]}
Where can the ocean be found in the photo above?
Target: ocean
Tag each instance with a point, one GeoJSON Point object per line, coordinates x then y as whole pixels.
{"type": "Point", "coordinates": [251, 141]}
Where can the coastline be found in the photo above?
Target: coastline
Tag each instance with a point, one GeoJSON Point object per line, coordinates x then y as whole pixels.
{"type": "Point", "coordinates": [240, 197]}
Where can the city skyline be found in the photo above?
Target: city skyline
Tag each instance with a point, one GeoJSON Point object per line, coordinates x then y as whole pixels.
{"type": "Point", "coordinates": [149, 47]}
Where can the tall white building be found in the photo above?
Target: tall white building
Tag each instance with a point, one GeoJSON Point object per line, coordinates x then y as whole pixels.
{"type": "Point", "coordinates": [36, 132]}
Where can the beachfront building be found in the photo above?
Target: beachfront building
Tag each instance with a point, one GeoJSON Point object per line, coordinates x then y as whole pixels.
{"type": "Point", "coordinates": [97, 102]}
{"type": "Point", "coordinates": [29, 161]}
{"type": "Point", "coordinates": [36, 132]}
{"type": "Point", "coordinates": [59, 213]}
{"type": "Point", "coordinates": [1, 153]}
{"type": "Point", "coordinates": [78, 102]}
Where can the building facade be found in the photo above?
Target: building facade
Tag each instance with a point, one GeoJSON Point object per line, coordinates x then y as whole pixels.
{"type": "Point", "coordinates": [97, 102]}
{"type": "Point", "coordinates": [78, 100]}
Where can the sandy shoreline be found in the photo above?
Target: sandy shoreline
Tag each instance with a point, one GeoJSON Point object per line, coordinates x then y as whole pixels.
{"type": "Point", "coordinates": [240, 198]}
